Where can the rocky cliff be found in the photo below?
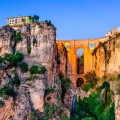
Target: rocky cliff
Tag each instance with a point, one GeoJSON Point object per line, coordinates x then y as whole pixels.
{"type": "Point", "coordinates": [106, 57]}
{"type": "Point", "coordinates": [38, 46]}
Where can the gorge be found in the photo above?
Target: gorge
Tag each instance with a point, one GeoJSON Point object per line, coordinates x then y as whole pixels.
{"type": "Point", "coordinates": [38, 75]}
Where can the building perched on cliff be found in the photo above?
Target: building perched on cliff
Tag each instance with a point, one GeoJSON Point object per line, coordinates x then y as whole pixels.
{"type": "Point", "coordinates": [113, 31]}
{"type": "Point", "coordinates": [18, 20]}
{"type": "Point", "coordinates": [40, 37]}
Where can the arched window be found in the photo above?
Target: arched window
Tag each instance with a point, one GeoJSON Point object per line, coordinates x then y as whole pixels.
{"type": "Point", "coordinates": [91, 45]}
{"type": "Point", "coordinates": [80, 61]}
{"type": "Point", "coordinates": [79, 82]}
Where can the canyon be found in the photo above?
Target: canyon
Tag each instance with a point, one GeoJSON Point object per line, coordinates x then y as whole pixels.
{"type": "Point", "coordinates": [40, 48]}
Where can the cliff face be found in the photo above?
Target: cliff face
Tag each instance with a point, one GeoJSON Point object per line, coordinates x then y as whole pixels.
{"type": "Point", "coordinates": [62, 57]}
{"type": "Point", "coordinates": [106, 57]}
{"type": "Point", "coordinates": [40, 39]}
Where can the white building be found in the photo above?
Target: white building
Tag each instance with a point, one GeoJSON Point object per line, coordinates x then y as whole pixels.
{"type": "Point", "coordinates": [117, 29]}
{"type": "Point", "coordinates": [113, 31]}
{"type": "Point", "coordinates": [18, 20]}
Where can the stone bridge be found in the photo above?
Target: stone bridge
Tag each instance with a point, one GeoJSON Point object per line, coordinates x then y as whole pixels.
{"type": "Point", "coordinates": [87, 46]}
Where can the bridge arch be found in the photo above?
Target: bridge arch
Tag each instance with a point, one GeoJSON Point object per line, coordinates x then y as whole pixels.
{"type": "Point", "coordinates": [79, 61]}
{"type": "Point", "coordinates": [79, 82]}
{"type": "Point", "coordinates": [88, 46]}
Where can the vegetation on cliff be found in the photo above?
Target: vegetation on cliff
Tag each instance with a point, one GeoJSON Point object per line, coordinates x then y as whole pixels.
{"type": "Point", "coordinates": [91, 81]}
{"type": "Point", "coordinates": [35, 18]}
{"type": "Point", "coordinates": [98, 106]}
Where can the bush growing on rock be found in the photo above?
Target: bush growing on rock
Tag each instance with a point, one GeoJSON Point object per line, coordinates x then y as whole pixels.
{"type": "Point", "coordinates": [92, 107]}
{"type": "Point", "coordinates": [19, 56]}
{"type": "Point", "coordinates": [1, 59]}
{"type": "Point", "coordinates": [105, 85]}
{"type": "Point", "coordinates": [65, 84]}
{"type": "Point", "coordinates": [34, 70]}
{"type": "Point", "coordinates": [50, 90]}
{"type": "Point", "coordinates": [42, 70]}
{"type": "Point", "coordinates": [16, 80]}
{"type": "Point", "coordinates": [118, 77]}
{"type": "Point", "coordinates": [7, 90]}
{"type": "Point", "coordinates": [33, 115]}
{"type": "Point", "coordinates": [17, 38]}
{"type": "Point", "coordinates": [99, 109]}
{"type": "Point", "coordinates": [23, 66]}
{"type": "Point", "coordinates": [91, 81]}
{"type": "Point", "coordinates": [13, 58]}
{"type": "Point", "coordinates": [49, 111]}
{"type": "Point", "coordinates": [29, 50]}
{"type": "Point", "coordinates": [1, 103]}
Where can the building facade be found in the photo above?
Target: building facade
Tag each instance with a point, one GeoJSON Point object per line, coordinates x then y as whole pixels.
{"type": "Point", "coordinates": [18, 20]}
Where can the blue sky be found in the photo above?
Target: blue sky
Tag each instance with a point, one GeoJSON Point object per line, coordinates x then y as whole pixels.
{"type": "Point", "coordinates": [74, 19]}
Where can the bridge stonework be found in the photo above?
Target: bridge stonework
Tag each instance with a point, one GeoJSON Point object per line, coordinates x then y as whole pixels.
{"type": "Point", "coordinates": [72, 46]}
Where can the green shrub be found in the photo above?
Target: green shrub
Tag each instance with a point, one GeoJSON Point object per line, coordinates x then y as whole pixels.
{"type": "Point", "coordinates": [17, 38]}
{"type": "Point", "coordinates": [34, 70]}
{"type": "Point", "coordinates": [7, 90]}
{"type": "Point", "coordinates": [64, 117]}
{"type": "Point", "coordinates": [19, 56]}
{"type": "Point", "coordinates": [40, 26]}
{"type": "Point", "coordinates": [29, 50]}
{"type": "Point", "coordinates": [49, 111]}
{"type": "Point", "coordinates": [33, 115]}
{"type": "Point", "coordinates": [35, 18]}
{"type": "Point", "coordinates": [99, 109]}
{"type": "Point", "coordinates": [23, 66]}
{"type": "Point", "coordinates": [118, 77]}
{"type": "Point", "coordinates": [34, 42]}
{"type": "Point", "coordinates": [89, 118]}
{"type": "Point", "coordinates": [49, 23]}
{"type": "Point", "coordinates": [56, 81]}
{"type": "Point", "coordinates": [109, 114]}
{"type": "Point", "coordinates": [50, 90]}
{"type": "Point", "coordinates": [42, 70]}
{"type": "Point", "coordinates": [65, 84]}
{"type": "Point", "coordinates": [1, 59]}
{"type": "Point", "coordinates": [91, 81]}
{"type": "Point", "coordinates": [13, 58]}
{"type": "Point", "coordinates": [87, 87]}
{"type": "Point", "coordinates": [1, 103]}
{"type": "Point", "coordinates": [105, 85]}
{"type": "Point", "coordinates": [16, 80]}
{"type": "Point", "coordinates": [91, 108]}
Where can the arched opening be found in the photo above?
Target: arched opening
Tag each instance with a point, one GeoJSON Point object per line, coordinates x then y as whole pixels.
{"type": "Point", "coordinates": [79, 82]}
{"type": "Point", "coordinates": [80, 61]}
{"type": "Point", "coordinates": [92, 46]}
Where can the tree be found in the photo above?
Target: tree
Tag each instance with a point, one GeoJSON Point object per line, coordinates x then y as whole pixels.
{"type": "Point", "coordinates": [23, 66]}
{"type": "Point", "coordinates": [106, 87]}
{"type": "Point", "coordinates": [99, 109]}
{"type": "Point", "coordinates": [15, 39]}
{"type": "Point", "coordinates": [36, 18]}
{"type": "Point", "coordinates": [34, 70]}
{"type": "Point", "coordinates": [49, 23]}
{"type": "Point", "coordinates": [13, 58]}
{"type": "Point", "coordinates": [42, 70]}
{"type": "Point", "coordinates": [91, 81]}
{"type": "Point", "coordinates": [31, 19]}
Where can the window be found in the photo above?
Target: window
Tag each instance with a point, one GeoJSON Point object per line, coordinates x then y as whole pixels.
{"type": "Point", "coordinates": [92, 45]}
